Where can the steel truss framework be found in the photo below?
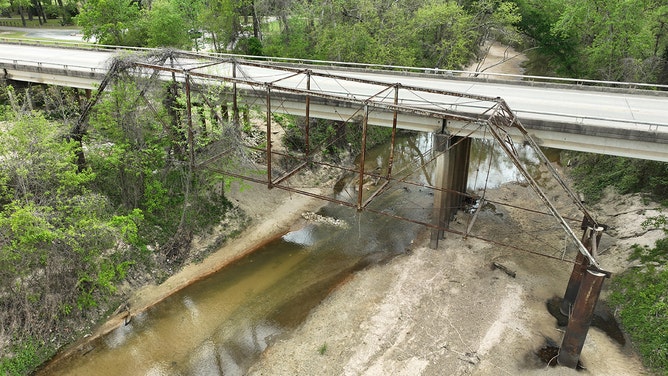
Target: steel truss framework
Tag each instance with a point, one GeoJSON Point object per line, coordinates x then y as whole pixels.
{"type": "Point", "coordinates": [275, 88]}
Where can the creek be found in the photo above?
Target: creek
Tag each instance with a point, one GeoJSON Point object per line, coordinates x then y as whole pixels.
{"type": "Point", "coordinates": [220, 325]}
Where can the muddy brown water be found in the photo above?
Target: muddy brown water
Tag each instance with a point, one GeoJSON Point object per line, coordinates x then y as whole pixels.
{"type": "Point", "coordinates": [220, 325]}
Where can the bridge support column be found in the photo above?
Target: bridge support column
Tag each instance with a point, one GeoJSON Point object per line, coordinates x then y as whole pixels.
{"type": "Point", "coordinates": [580, 318]}
{"type": "Point", "coordinates": [590, 240]}
{"type": "Point", "coordinates": [442, 197]}
{"type": "Point", "coordinates": [462, 149]}
{"type": "Point", "coordinates": [451, 177]}
{"type": "Point", "coordinates": [579, 269]}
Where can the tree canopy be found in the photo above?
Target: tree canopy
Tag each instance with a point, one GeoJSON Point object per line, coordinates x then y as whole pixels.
{"type": "Point", "coordinates": [609, 40]}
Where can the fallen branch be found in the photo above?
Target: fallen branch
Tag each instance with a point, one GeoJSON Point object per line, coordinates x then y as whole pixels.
{"type": "Point", "coordinates": [504, 269]}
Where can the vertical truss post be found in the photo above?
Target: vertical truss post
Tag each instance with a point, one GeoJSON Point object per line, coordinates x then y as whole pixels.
{"type": "Point", "coordinates": [394, 132]}
{"type": "Point", "coordinates": [171, 64]}
{"type": "Point", "coordinates": [579, 269]}
{"type": "Point", "coordinates": [360, 187]}
{"type": "Point", "coordinates": [235, 94]}
{"type": "Point", "coordinates": [269, 182]}
{"type": "Point", "coordinates": [308, 113]}
{"type": "Point", "coordinates": [580, 319]}
{"type": "Point", "coordinates": [189, 117]}
{"type": "Point", "coordinates": [441, 145]}
{"type": "Point", "coordinates": [450, 187]}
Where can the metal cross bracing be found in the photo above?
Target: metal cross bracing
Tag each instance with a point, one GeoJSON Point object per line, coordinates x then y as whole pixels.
{"type": "Point", "coordinates": [312, 93]}
{"type": "Point", "coordinates": [273, 81]}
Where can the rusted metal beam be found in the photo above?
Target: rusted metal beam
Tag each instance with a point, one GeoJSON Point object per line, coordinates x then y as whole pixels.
{"type": "Point", "coordinates": [269, 179]}
{"type": "Point", "coordinates": [434, 113]}
{"type": "Point", "coordinates": [579, 269]}
{"type": "Point", "coordinates": [375, 194]}
{"type": "Point", "coordinates": [307, 126]}
{"type": "Point", "coordinates": [496, 126]}
{"type": "Point", "coordinates": [393, 141]}
{"type": "Point", "coordinates": [235, 97]}
{"type": "Point", "coordinates": [189, 119]}
{"type": "Point", "coordinates": [574, 282]}
{"type": "Point", "coordinates": [580, 318]}
{"type": "Point", "coordinates": [441, 148]}
{"type": "Point", "coordinates": [474, 217]}
{"type": "Point", "coordinates": [482, 98]}
{"type": "Point", "coordinates": [546, 162]}
{"type": "Point", "coordinates": [360, 189]}
{"type": "Point", "coordinates": [290, 174]}
{"type": "Point", "coordinates": [463, 145]}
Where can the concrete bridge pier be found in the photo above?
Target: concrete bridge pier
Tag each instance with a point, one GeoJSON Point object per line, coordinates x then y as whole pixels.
{"type": "Point", "coordinates": [462, 149]}
{"type": "Point", "coordinates": [451, 177]}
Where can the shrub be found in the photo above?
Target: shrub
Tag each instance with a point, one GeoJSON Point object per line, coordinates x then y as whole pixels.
{"type": "Point", "coordinates": [641, 298]}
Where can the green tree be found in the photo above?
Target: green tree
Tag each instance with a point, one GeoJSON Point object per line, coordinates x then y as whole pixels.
{"type": "Point", "coordinates": [4, 5]}
{"type": "Point", "coordinates": [609, 40]}
{"type": "Point", "coordinates": [447, 38]}
{"type": "Point", "coordinates": [221, 20]}
{"type": "Point", "coordinates": [114, 22]}
{"type": "Point", "coordinates": [61, 248]}
{"type": "Point", "coordinates": [555, 53]}
{"type": "Point", "coordinates": [167, 26]}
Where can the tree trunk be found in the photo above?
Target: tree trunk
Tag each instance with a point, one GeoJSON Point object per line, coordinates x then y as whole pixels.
{"type": "Point", "coordinates": [256, 22]}
{"type": "Point", "coordinates": [23, 17]}
{"type": "Point", "coordinates": [663, 75]}
{"type": "Point", "coordinates": [40, 12]}
{"type": "Point", "coordinates": [63, 12]}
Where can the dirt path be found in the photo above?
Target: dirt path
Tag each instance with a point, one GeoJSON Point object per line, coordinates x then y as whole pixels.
{"type": "Point", "coordinates": [499, 59]}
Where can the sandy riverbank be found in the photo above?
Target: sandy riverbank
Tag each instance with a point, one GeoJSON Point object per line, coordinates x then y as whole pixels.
{"type": "Point", "coordinates": [272, 214]}
{"type": "Point", "coordinates": [448, 312]}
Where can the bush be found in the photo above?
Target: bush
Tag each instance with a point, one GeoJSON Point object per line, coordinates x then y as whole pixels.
{"type": "Point", "coordinates": [26, 356]}
{"type": "Point", "coordinates": [594, 172]}
{"type": "Point", "coordinates": [641, 298]}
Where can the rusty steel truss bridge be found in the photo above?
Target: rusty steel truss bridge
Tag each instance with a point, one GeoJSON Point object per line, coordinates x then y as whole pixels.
{"type": "Point", "coordinates": [453, 118]}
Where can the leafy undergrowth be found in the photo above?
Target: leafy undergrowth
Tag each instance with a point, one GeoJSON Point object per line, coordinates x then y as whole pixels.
{"type": "Point", "coordinates": [592, 173]}
{"type": "Point", "coordinates": [641, 298]}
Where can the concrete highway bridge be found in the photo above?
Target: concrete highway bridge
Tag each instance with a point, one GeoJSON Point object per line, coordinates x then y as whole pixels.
{"type": "Point", "coordinates": [607, 118]}
{"type": "Point", "coordinates": [600, 117]}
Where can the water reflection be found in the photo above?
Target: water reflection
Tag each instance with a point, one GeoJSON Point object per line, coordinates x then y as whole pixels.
{"type": "Point", "coordinates": [490, 167]}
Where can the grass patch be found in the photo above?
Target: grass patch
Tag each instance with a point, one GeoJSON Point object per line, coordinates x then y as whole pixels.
{"type": "Point", "coordinates": [34, 24]}
{"type": "Point", "coordinates": [25, 356]}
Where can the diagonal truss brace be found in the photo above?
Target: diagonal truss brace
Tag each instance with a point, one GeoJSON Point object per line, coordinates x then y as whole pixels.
{"type": "Point", "coordinates": [498, 118]}
{"type": "Point", "coordinates": [503, 118]}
